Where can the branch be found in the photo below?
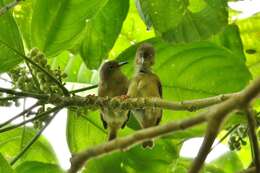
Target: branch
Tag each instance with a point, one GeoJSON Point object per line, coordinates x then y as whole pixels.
{"type": "Point", "coordinates": [9, 98]}
{"type": "Point", "coordinates": [218, 114]}
{"type": "Point", "coordinates": [78, 159]}
{"type": "Point", "coordinates": [95, 102]}
{"type": "Point", "coordinates": [33, 140]}
{"type": "Point", "coordinates": [19, 115]}
{"type": "Point", "coordinates": [83, 89]}
{"type": "Point", "coordinates": [249, 170]}
{"type": "Point", "coordinates": [24, 94]}
{"type": "Point", "coordinates": [253, 138]}
{"type": "Point", "coordinates": [5, 8]}
{"type": "Point", "coordinates": [57, 108]}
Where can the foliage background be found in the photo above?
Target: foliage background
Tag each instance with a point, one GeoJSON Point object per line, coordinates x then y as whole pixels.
{"type": "Point", "coordinates": [200, 52]}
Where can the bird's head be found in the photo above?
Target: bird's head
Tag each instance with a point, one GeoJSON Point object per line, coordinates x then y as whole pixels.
{"type": "Point", "coordinates": [145, 56]}
{"type": "Point", "coordinates": [110, 69]}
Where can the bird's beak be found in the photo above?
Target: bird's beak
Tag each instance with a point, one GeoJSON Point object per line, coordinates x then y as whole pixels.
{"type": "Point", "coordinates": [120, 64]}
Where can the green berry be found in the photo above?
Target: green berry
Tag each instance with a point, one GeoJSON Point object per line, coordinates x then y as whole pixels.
{"type": "Point", "coordinates": [34, 51]}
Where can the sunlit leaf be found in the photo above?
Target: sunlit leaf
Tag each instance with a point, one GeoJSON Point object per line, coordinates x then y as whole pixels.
{"type": "Point", "coordinates": [12, 144]}
{"type": "Point", "coordinates": [9, 39]}
{"type": "Point", "coordinates": [57, 25]}
{"type": "Point", "coordinates": [102, 31]}
{"type": "Point", "coordinates": [186, 21]}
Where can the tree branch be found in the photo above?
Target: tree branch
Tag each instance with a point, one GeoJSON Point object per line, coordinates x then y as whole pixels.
{"type": "Point", "coordinates": [253, 138]}
{"type": "Point", "coordinates": [33, 140]}
{"type": "Point", "coordinates": [7, 7]}
{"type": "Point", "coordinates": [95, 102]}
{"type": "Point", "coordinates": [219, 113]}
{"type": "Point", "coordinates": [78, 159]}
{"type": "Point", "coordinates": [24, 94]}
{"type": "Point", "coordinates": [83, 89]}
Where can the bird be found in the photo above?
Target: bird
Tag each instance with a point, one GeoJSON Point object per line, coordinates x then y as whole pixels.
{"type": "Point", "coordinates": [145, 83]}
{"type": "Point", "coordinates": [113, 83]}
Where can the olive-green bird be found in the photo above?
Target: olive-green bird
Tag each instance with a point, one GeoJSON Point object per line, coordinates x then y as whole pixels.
{"type": "Point", "coordinates": [146, 84]}
{"type": "Point", "coordinates": [113, 83]}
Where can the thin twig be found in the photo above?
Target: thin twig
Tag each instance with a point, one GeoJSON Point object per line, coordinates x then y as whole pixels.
{"type": "Point", "coordinates": [253, 138]}
{"type": "Point", "coordinates": [19, 115]}
{"type": "Point", "coordinates": [9, 98]}
{"type": "Point", "coordinates": [83, 89]}
{"type": "Point", "coordinates": [220, 112]}
{"type": "Point", "coordinates": [11, 82]}
{"type": "Point", "coordinates": [225, 136]}
{"type": "Point", "coordinates": [34, 139]}
{"type": "Point", "coordinates": [24, 94]}
{"type": "Point", "coordinates": [35, 81]}
{"type": "Point", "coordinates": [32, 119]}
{"type": "Point", "coordinates": [65, 91]}
{"type": "Point", "coordinates": [7, 7]}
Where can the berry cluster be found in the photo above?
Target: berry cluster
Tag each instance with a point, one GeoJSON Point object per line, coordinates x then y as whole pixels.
{"type": "Point", "coordinates": [33, 79]}
{"type": "Point", "coordinates": [237, 138]}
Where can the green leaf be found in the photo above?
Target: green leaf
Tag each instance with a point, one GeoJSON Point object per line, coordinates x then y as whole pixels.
{"type": "Point", "coordinates": [102, 31]}
{"type": "Point", "coordinates": [9, 38]}
{"type": "Point", "coordinates": [133, 31]}
{"type": "Point", "coordinates": [229, 162]}
{"type": "Point", "coordinates": [84, 129]}
{"type": "Point", "coordinates": [11, 144]}
{"type": "Point", "coordinates": [182, 165]}
{"type": "Point", "coordinates": [38, 167]}
{"type": "Point", "coordinates": [137, 159]}
{"type": "Point", "coordinates": [73, 66]}
{"type": "Point", "coordinates": [23, 17]}
{"type": "Point", "coordinates": [250, 30]}
{"type": "Point", "coordinates": [4, 165]}
{"type": "Point", "coordinates": [186, 21]}
{"type": "Point", "coordinates": [57, 25]}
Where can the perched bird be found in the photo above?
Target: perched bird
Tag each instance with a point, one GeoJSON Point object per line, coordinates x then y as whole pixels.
{"type": "Point", "coordinates": [113, 83]}
{"type": "Point", "coordinates": [146, 84]}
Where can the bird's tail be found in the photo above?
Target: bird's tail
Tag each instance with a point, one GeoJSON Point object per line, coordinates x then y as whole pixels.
{"type": "Point", "coordinates": [148, 144]}
{"type": "Point", "coordinates": [112, 134]}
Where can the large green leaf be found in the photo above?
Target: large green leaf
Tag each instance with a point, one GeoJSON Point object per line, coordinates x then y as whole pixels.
{"type": "Point", "coordinates": [102, 31]}
{"type": "Point", "coordinates": [84, 129]}
{"type": "Point", "coordinates": [12, 142]}
{"type": "Point", "coordinates": [137, 159]}
{"type": "Point", "coordinates": [9, 39]}
{"type": "Point", "coordinates": [4, 166]}
{"type": "Point", "coordinates": [38, 167]}
{"type": "Point", "coordinates": [182, 165]}
{"type": "Point", "coordinates": [57, 25]}
{"type": "Point", "coordinates": [133, 31]}
{"type": "Point", "coordinates": [250, 34]}
{"type": "Point", "coordinates": [229, 162]}
{"type": "Point", "coordinates": [23, 17]}
{"type": "Point", "coordinates": [187, 20]}
{"type": "Point", "coordinates": [196, 70]}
